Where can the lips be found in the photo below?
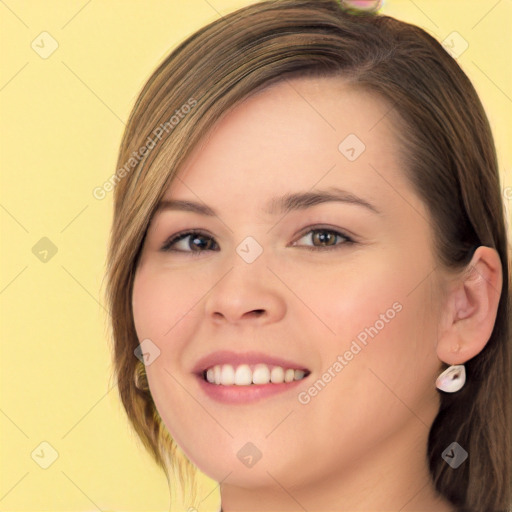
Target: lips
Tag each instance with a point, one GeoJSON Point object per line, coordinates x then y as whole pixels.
{"type": "Point", "coordinates": [234, 359]}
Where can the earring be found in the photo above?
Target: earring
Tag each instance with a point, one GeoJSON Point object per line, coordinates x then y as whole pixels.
{"type": "Point", "coordinates": [140, 377]}
{"type": "Point", "coordinates": [452, 379]}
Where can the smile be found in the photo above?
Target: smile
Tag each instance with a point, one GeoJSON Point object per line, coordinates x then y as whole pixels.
{"type": "Point", "coordinates": [251, 375]}
{"type": "Point", "coordinates": [238, 378]}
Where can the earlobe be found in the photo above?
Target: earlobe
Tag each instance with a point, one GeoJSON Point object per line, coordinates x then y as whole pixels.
{"type": "Point", "coordinates": [472, 307]}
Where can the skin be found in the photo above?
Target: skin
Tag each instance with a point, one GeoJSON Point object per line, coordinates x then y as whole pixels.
{"type": "Point", "coordinates": [360, 443]}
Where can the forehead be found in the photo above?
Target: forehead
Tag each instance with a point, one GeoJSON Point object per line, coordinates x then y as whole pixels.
{"type": "Point", "coordinates": [298, 134]}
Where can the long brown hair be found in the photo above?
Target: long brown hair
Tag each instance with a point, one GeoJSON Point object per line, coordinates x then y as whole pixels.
{"type": "Point", "coordinates": [450, 160]}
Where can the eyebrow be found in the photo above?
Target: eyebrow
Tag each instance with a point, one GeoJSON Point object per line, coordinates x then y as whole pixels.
{"type": "Point", "coordinates": [277, 205]}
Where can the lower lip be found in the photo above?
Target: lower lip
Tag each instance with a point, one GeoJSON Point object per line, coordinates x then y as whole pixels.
{"type": "Point", "coordinates": [245, 394]}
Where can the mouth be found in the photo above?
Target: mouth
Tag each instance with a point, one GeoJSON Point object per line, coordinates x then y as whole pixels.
{"type": "Point", "coordinates": [259, 374]}
{"type": "Point", "coordinates": [235, 378]}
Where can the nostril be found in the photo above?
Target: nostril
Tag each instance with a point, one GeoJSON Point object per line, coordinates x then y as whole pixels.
{"type": "Point", "coordinates": [255, 312]}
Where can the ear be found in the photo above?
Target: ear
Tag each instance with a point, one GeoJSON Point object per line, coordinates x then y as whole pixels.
{"type": "Point", "coordinates": [471, 306]}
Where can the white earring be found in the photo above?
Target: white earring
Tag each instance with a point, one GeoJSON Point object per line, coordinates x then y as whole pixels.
{"type": "Point", "coordinates": [452, 379]}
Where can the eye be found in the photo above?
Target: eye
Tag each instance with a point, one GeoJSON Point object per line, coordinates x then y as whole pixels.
{"type": "Point", "coordinates": [327, 239]}
{"type": "Point", "coordinates": [191, 241]}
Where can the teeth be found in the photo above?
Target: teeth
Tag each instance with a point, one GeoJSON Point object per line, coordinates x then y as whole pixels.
{"type": "Point", "coordinates": [226, 375]}
{"type": "Point", "coordinates": [243, 375]}
{"type": "Point", "coordinates": [261, 374]}
{"type": "Point", "coordinates": [277, 374]}
{"type": "Point", "coordinates": [289, 375]}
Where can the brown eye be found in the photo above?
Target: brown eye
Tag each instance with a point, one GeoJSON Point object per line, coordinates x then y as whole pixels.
{"type": "Point", "coordinates": [326, 238]}
{"type": "Point", "coordinates": [190, 241]}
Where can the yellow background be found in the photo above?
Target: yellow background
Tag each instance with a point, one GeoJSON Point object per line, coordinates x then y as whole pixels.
{"type": "Point", "coordinates": [61, 123]}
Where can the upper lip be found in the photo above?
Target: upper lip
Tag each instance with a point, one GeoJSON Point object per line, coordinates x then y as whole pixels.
{"type": "Point", "coordinates": [235, 359]}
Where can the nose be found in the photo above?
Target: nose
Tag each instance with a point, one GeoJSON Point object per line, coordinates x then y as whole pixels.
{"type": "Point", "coordinates": [246, 293]}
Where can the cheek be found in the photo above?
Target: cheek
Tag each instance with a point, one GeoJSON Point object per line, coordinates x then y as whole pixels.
{"type": "Point", "coordinates": [350, 301]}
{"type": "Point", "coordinates": [381, 325]}
{"type": "Point", "coordinates": [160, 303]}
{"type": "Point", "coordinates": [167, 310]}
{"type": "Point", "coordinates": [149, 304]}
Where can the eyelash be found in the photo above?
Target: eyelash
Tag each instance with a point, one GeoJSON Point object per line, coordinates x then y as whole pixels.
{"type": "Point", "coordinates": [167, 246]}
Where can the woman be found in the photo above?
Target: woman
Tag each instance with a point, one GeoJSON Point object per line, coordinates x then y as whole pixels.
{"type": "Point", "coordinates": [309, 262]}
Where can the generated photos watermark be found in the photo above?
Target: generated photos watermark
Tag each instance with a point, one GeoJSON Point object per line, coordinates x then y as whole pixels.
{"type": "Point", "coordinates": [357, 345]}
{"type": "Point", "coordinates": [101, 192]}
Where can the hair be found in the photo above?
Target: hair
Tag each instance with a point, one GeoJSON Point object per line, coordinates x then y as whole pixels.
{"type": "Point", "coordinates": [449, 157]}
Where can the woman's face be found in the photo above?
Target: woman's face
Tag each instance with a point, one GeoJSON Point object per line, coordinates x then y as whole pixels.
{"type": "Point", "coordinates": [342, 288]}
